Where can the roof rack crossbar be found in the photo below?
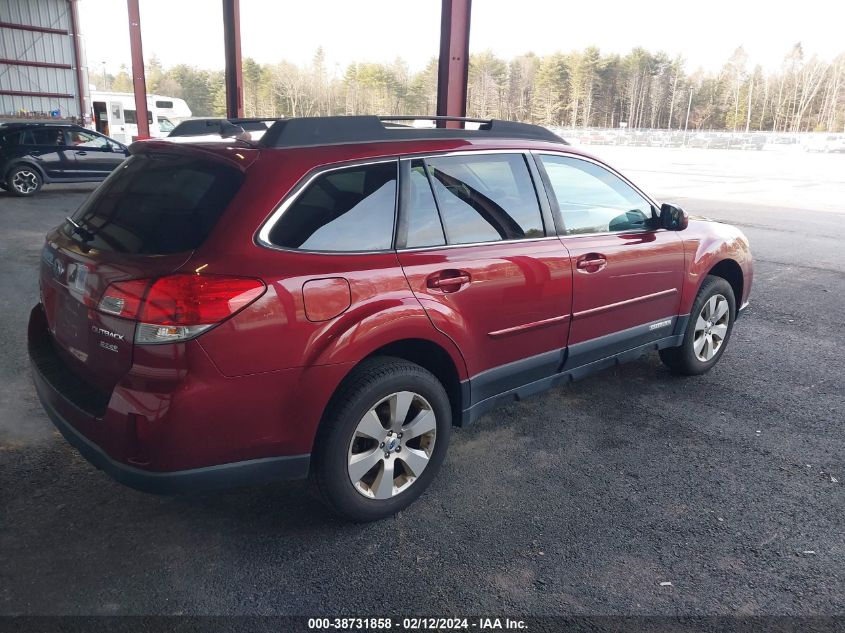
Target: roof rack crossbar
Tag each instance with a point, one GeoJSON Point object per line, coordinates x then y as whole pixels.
{"type": "Point", "coordinates": [340, 130]}
{"type": "Point", "coordinates": [431, 117]}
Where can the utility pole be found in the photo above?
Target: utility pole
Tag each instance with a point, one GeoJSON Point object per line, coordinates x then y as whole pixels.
{"type": "Point", "coordinates": [686, 124]}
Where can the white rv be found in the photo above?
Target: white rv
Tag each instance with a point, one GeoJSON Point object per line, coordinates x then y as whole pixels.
{"type": "Point", "coordinates": [114, 114]}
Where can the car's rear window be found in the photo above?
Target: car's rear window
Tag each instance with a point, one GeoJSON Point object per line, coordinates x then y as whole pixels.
{"type": "Point", "coordinates": [156, 204]}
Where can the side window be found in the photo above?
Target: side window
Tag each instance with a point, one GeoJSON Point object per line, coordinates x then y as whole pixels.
{"type": "Point", "coordinates": [131, 116]}
{"type": "Point", "coordinates": [343, 210]}
{"type": "Point", "coordinates": [45, 136]}
{"type": "Point", "coordinates": [12, 139]}
{"type": "Point", "coordinates": [424, 228]}
{"type": "Point", "coordinates": [78, 138]}
{"type": "Point", "coordinates": [485, 198]}
{"type": "Point", "coordinates": [592, 199]}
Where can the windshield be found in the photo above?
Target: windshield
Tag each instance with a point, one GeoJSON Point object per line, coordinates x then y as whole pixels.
{"type": "Point", "coordinates": [164, 124]}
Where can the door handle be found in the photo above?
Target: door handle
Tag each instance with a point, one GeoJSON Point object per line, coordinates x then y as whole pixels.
{"type": "Point", "coordinates": [448, 280]}
{"type": "Point", "coordinates": [81, 153]}
{"type": "Point", "coordinates": [591, 263]}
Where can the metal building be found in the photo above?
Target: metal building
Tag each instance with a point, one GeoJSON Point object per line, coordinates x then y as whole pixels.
{"type": "Point", "coordinates": [42, 66]}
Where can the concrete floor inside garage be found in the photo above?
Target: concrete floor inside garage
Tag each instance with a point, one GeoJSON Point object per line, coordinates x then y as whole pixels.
{"type": "Point", "coordinates": [580, 501]}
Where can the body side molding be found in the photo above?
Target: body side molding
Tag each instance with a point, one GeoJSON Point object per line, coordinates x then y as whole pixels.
{"type": "Point", "coordinates": [618, 304]}
{"type": "Point", "coordinates": [536, 374]}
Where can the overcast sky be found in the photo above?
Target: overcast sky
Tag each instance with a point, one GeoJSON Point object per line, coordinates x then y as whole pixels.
{"type": "Point", "coordinates": [704, 33]}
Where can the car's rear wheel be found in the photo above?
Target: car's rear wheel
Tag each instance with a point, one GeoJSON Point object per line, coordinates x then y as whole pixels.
{"type": "Point", "coordinates": [708, 330]}
{"type": "Point", "coordinates": [383, 439]}
{"type": "Point", "coordinates": [24, 181]}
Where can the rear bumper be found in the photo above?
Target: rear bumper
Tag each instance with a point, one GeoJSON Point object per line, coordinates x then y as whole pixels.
{"type": "Point", "coordinates": [192, 430]}
{"type": "Point", "coordinates": [250, 472]}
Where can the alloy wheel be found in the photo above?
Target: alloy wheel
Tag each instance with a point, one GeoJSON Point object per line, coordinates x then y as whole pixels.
{"type": "Point", "coordinates": [25, 182]}
{"type": "Point", "coordinates": [392, 445]}
{"type": "Point", "coordinates": [711, 327]}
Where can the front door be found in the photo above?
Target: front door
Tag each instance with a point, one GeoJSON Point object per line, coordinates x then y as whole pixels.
{"type": "Point", "coordinates": [94, 155]}
{"type": "Point", "coordinates": [627, 274]}
{"type": "Point", "coordinates": [474, 247]}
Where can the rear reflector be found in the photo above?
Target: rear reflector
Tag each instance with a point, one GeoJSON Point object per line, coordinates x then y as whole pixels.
{"type": "Point", "coordinates": [179, 307]}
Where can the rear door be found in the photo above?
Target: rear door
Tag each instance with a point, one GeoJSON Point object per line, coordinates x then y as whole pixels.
{"type": "Point", "coordinates": [627, 273]}
{"type": "Point", "coordinates": [481, 256]}
{"type": "Point", "coordinates": [46, 146]}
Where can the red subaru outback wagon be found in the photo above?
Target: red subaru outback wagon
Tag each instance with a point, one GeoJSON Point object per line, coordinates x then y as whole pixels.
{"type": "Point", "coordinates": [331, 299]}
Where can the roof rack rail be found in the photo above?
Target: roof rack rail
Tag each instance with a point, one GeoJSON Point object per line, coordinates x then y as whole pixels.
{"type": "Point", "coordinates": [55, 123]}
{"type": "Point", "coordinates": [340, 130]}
{"type": "Point", "coordinates": [222, 126]}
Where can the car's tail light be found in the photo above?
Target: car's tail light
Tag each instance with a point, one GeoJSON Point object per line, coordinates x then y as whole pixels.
{"type": "Point", "coordinates": [123, 298]}
{"type": "Point", "coordinates": [179, 307]}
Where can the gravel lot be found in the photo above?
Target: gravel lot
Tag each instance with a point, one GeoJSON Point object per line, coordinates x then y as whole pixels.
{"type": "Point", "coordinates": [581, 501]}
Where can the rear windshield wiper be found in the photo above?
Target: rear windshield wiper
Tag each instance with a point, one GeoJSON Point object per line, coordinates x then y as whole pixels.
{"type": "Point", "coordinates": [84, 234]}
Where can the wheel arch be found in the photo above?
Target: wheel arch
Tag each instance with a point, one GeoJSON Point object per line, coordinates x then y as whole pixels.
{"type": "Point", "coordinates": [24, 162]}
{"type": "Point", "coordinates": [730, 271]}
{"type": "Point", "coordinates": [434, 358]}
{"type": "Point", "coordinates": [423, 352]}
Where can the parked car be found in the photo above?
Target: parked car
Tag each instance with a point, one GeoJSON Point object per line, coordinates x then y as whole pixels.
{"type": "Point", "coordinates": [710, 140]}
{"type": "Point", "coordinates": [825, 143]}
{"type": "Point", "coordinates": [749, 141]}
{"type": "Point", "coordinates": [34, 154]}
{"type": "Point", "coordinates": [663, 138]}
{"type": "Point", "coordinates": [331, 300]}
{"type": "Point", "coordinates": [636, 138]}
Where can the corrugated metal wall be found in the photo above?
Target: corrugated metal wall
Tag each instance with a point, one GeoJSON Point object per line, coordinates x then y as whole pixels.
{"type": "Point", "coordinates": [19, 44]}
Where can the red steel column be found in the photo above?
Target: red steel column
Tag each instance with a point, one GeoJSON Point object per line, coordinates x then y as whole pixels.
{"type": "Point", "coordinates": [85, 113]}
{"type": "Point", "coordinates": [234, 70]}
{"type": "Point", "coordinates": [453, 65]}
{"type": "Point", "coordinates": [139, 82]}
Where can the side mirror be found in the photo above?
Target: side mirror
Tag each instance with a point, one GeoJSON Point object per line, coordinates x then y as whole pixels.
{"type": "Point", "coordinates": [673, 218]}
{"type": "Point", "coordinates": [108, 147]}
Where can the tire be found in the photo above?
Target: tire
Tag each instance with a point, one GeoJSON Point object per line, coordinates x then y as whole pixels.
{"type": "Point", "coordinates": [697, 355]}
{"type": "Point", "coordinates": [349, 439]}
{"type": "Point", "coordinates": [24, 181]}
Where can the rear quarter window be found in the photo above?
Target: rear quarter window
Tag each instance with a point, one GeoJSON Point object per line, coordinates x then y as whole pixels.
{"type": "Point", "coordinates": [343, 210]}
{"type": "Point", "coordinates": [9, 139]}
{"type": "Point", "coordinates": [156, 204]}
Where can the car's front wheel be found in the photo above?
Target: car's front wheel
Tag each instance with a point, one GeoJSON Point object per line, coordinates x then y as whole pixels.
{"type": "Point", "coordinates": [24, 181]}
{"type": "Point", "coordinates": [708, 330]}
{"type": "Point", "coordinates": [383, 439]}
